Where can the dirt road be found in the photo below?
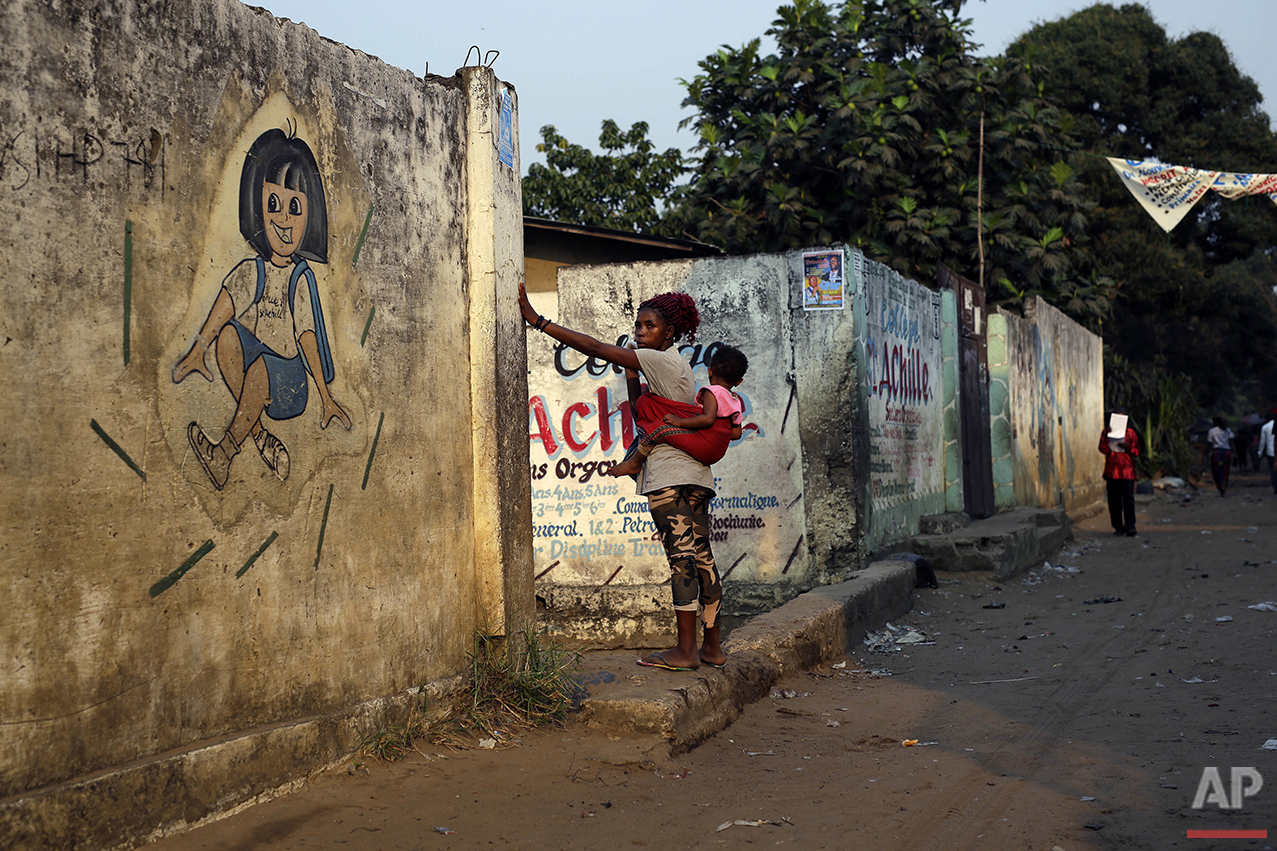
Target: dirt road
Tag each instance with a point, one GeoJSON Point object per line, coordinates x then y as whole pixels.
{"type": "Point", "coordinates": [1071, 707]}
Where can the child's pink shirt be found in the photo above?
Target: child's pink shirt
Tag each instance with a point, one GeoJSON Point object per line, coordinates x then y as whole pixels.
{"type": "Point", "coordinates": [729, 404]}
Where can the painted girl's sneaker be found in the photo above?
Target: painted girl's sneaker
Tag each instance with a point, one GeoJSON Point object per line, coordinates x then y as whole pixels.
{"type": "Point", "coordinates": [274, 453]}
{"type": "Point", "coordinates": [213, 457]}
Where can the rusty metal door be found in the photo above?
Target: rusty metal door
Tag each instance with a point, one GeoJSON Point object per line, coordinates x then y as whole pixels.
{"type": "Point", "coordinates": [973, 393]}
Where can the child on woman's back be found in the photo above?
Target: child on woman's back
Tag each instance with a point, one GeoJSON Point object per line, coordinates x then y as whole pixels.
{"type": "Point", "coordinates": [704, 434]}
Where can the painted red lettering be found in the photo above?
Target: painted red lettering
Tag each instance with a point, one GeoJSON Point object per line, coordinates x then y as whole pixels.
{"type": "Point", "coordinates": [579, 409]}
{"type": "Point", "coordinates": [543, 431]}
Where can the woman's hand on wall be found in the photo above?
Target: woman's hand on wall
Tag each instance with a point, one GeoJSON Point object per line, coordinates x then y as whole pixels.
{"type": "Point", "coordinates": [530, 315]}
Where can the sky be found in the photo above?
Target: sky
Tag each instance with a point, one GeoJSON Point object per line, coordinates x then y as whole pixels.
{"type": "Point", "coordinates": [575, 63]}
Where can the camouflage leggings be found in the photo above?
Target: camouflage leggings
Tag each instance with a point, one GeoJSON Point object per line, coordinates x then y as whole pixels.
{"type": "Point", "coordinates": [681, 515]}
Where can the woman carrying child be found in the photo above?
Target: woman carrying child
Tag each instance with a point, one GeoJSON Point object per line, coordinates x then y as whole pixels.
{"type": "Point", "coordinates": [678, 487]}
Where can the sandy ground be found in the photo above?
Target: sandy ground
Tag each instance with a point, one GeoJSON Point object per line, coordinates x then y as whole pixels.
{"type": "Point", "coordinates": [1078, 715]}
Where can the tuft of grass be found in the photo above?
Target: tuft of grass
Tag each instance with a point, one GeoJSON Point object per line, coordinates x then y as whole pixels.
{"type": "Point", "coordinates": [522, 681]}
{"type": "Point", "coordinates": [389, 742]}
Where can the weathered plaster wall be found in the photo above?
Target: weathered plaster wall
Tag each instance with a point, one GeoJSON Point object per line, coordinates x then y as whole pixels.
{"type": "Point", "coordinates": [953, 493]}
{"type": "Point", "coordinates": [905, 395]}
{"type": "Point", "coordinates": [829, 374]}
{"type": "Point", "coordinates": [795, 492]}
{"type": "Point", "coordinates": [152, 603]}
{"type": "Point", "coordinates": [1054, 375]}
{"type": "Point", "coordinates": [852, 433]}
{"type": "Point", "coordinates": [1078, 382]}
{"type": "Point", "coordinates": [600, 571]}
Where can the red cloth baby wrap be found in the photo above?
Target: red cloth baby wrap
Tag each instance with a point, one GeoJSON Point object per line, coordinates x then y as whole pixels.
{"type": "Point", "coordinates": [706, 445]}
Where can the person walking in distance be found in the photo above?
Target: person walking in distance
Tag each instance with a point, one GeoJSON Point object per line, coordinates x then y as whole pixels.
{"type": "Point", "coordinates": [1219, 441]}
{"type": "Point", "coordinates": [1119, 476]}
{"type": "Point", "coordinates": [1266, 447]}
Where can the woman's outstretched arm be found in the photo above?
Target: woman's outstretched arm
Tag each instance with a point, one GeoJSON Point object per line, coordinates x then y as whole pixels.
{"type": "Point", "coordinates": [583, 343]}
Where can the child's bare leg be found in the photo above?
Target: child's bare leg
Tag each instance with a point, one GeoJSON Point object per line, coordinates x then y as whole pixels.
{"type": "Point", "coordinates": [216, 457]}
{"type": "Point", "coordinates": [230, 360]}
{"type": "Point", "coordinates": [253, 398]}
{"type": "Point", "coordinates": [631, 466]}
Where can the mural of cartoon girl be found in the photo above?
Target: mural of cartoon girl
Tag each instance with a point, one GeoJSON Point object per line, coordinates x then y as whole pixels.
{"type": "Point", "coordinates": [266, 327]}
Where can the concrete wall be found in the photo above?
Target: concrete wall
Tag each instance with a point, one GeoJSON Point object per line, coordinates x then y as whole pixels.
{"type": "Point", "coordinates": [954, 498]}
{"type": "Point", "coordinates": [154, 606]}
{"type": "Point", "coordinates": [1002, 443]}
{"type": "Point", "coordinates": [906, 398]}
{"type": "Point", "coordinates": [1053, 408]}
{"type": "Point", "coordinates": [845, 443]}
{"type": "Point", "coordinates": [852, 432]}
{"type": "Point", "coordinates": [600, 571]}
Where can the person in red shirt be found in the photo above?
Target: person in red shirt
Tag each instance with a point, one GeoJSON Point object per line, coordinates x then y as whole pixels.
{"type": "Point", "coordinates": [1119, 477]}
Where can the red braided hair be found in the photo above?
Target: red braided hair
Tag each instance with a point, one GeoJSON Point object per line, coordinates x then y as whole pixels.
{"type": "Point", "coordinates": [679, 310]}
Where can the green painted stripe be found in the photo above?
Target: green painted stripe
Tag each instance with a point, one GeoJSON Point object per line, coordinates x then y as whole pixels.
{"type": "Point", "coordinates": [260, 550]}
{"type": "Point", "coordinates": [167, 582]}
{"type": "Point", "coordinates": [372, 451]}
{"type": "Point", "coordinates": [128, 286]}
{"type": "Point", "coordinates": [359, 246]}
{"type": "Point", "coordinates": [323, 527]}
{"type": "Point", "coordinates": [115, 447]}
{"type": "Point", "coordinates": [367, 325]}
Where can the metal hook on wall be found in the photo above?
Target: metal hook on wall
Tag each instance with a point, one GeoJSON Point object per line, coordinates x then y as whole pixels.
{"type": "Point", "coordinates": [484, 60]}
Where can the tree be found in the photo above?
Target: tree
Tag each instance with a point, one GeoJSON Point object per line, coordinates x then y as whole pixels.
{"type": "Point", "coordinates": [622, 188]}
{"type": "Point", "coordinates": [864, 127]}
{"type": "Point", "coordinates": [1196, 303]}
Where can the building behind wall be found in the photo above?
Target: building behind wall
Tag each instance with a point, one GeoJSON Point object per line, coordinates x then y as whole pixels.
{"type": "Point", "coordinates": [184, 635]}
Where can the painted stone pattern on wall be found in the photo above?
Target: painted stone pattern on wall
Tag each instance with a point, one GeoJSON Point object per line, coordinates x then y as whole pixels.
{"type": "Point", "coordinates": [904, 390]}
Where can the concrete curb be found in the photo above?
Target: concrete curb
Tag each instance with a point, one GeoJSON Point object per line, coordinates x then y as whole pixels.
{"type": "Point", "coordinates": [126, 807]}
{"type": "Point", "coordinates": [1003, 544]}
{"type": "Point", "coordinates": [816, 627]}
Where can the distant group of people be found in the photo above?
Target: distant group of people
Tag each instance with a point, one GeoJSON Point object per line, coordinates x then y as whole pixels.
{"type": "Point", "coordinates": [1247, 448]}
{"type": "Point", "coordinates": [1121, 447]}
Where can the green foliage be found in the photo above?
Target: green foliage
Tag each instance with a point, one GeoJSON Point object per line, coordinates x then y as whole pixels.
{"type": "Point", "coordinates": [1199, 302]}
{"type": "Point", "coordinates": [621, 188]}
{"type": "Point", "coordinates": [1162, 408]}
{"type": "Point", "coordinates": [865, 126]}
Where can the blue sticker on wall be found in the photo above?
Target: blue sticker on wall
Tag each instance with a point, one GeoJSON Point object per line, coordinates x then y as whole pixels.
{"type": "Point", "coordinates": [505, 132]}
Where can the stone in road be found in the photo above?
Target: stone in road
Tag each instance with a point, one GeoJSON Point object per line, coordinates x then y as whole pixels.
{"type": "Point", "coordinates": [1079, 716]}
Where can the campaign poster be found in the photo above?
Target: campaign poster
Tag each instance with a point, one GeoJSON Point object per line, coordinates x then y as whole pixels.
{"type": "Point", "coordinates": [823, 280]}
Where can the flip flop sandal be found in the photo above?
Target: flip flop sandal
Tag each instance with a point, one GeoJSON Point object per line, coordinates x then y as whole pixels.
{"type": "Point", "coordinates": [719, 665]}
{"type": "Point", "coordinates": [660, 662]}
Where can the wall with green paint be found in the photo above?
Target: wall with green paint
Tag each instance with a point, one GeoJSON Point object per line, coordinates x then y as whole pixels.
{"type": "Point", "coordinates": [157, 602]}
{"type": "Point", "coordinates": [953, 493]}
{"type": "Point", "coordinates": [1000, 428]}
